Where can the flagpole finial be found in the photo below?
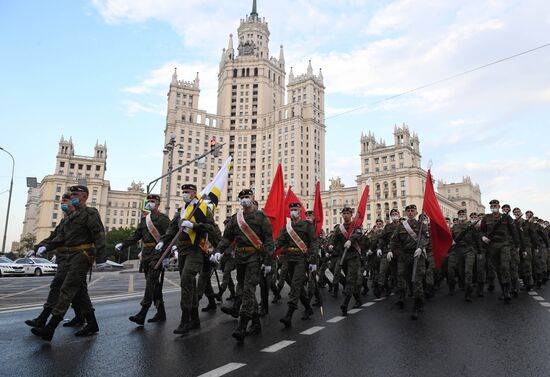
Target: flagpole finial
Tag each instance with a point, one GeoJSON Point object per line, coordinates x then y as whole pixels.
{"type": "Point", "coordinates": [430, 163]}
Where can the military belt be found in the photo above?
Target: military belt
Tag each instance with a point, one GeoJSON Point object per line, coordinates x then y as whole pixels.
{"type": "Point", "coordinates": [150, 244]}
{"type": "Point", "coordinates": [84, 246]}
{"type": "Point", "coordinates": [247, 249]}
{"type": "Point", "coordinates": [295, 249]}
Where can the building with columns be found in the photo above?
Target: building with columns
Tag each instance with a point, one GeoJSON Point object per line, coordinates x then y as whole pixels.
{"type": "Point", "coordinates": [263, 117]}
{"type": "Point", "coordinates": [118, 209]}
{"type": "Point", "coordinates": [464, 194]}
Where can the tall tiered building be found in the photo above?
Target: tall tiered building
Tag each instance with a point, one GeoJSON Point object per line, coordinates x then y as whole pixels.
{"type": "Point", "coordinates": [263, 117]}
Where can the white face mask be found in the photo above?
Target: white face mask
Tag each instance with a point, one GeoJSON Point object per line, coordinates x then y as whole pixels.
{"type": "Point", "coordinates": [494, 210]}
{"type": "Point", "coordinates": [462, 218]}
{"type": "Point", "coordinates": [395, 218]}
{"type": "Point", "coordinates": [473, 221]}
{"type": "Point", "coordinates": [295, 214]}
{"type": "Point", "coordinates": [186, 197]}
{"type": "Point", "coordinates": [245, 202]}
{"type": "Point", "coordinates": [150, 206]}
{"type": "Point", "coordinates": [517, 216]}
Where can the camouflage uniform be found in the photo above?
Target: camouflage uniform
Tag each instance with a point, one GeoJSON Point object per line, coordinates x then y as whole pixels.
{"type": "Point", "coordinates": [526, 240]}
{"type": "Point", "coordinates": [466, 244]}
{"type": "Point", "coordinates": [387, 276]}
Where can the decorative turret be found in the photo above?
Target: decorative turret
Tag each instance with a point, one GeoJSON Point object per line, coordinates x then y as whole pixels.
{"type": "Point", "coordinates": [174, 77]}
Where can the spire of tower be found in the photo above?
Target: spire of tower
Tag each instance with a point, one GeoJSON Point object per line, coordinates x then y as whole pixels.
{"type": "Point", "coordinates": [254, 13]}
{"type": "Point", "coordinates": [291, 75]}
{"type": "Point", "coordinates": [197, 81]}
{"type": "Point", "coordinates": [175, 76]}
{"type": "Point", "coordinates": [230, 44]}
{"type": "Point", "coordinates": [281, 55]}
{"type": "Point", "coordinates": [320, 75]}
{"type": "Point", "coordinates": [309, 69]}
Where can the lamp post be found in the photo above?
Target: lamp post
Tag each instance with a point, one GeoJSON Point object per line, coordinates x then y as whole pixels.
{"type": "Point", "coordinates": [169, 149]}
{"type": "Point", "coordinates": [9, 200]}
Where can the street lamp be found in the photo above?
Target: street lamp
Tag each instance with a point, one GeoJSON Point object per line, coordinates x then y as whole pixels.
{"type": "Point", "coordinates": [169, 150]}
{"type": "Point", "coordinates": [9, 201]}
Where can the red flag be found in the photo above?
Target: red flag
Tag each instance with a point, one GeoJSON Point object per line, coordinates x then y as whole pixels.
{"type": "Point", "coordinates": [318, 209]}
{"type": "Point", "coordinates": [361, 210]}
{"type": "Point", "coordinates": [292, 198]}
{"type": "Point", "coordinates": [440, 233]}
{"type": "Point", "coordinates": [275, 204]}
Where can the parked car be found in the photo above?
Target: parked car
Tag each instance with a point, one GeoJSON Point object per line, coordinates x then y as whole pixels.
{"type": "Point", "coordinates": [8, 267]}
{"type": "Point", "coordinates": [37, 266]}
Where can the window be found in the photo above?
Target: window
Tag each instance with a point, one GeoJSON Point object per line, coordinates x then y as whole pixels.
{"type": "Point", "coordinates": [62, 164]}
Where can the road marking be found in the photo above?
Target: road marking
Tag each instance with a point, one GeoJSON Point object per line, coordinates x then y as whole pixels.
{"type": "Point", "coordinates": [379, 299]}
{"type": "Point", "coordinates": [171, 282]}
{"type": "Point", "coordinates": [532, 293]}
{"type": "Point", "coordinates": [546, 304]}
{"type": "Point", "coordinates": [131, 284]}
{"type": "Point", "coordinates": [26, 291]}
{"type": "Point", "coordinates": [312, 330]}
{"type": "Point", "coordinates": [279, 346]}
{"type": "Point", "coordinates": [353, 311]}
{"type": "Point", "coordinates": [223, 370]}
{"type": "Point", "coordinates": [367, 304]}
{"type": "Point", "coordinates": [538, 298]}
{"type": "Point", "coordinates": [338, 318]}
{"type": "Point", "coordinates": [95, 281]}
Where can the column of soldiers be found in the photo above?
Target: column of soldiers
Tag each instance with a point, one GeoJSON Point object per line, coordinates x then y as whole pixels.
{"type": "Point", "coordinates": [395, 257]}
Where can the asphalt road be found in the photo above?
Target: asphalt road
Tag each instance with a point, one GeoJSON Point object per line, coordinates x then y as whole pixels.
{"type": "Point", "coordinates": [452, 338]}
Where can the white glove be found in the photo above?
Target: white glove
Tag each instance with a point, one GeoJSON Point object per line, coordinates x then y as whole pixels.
{"type": "Point", "coordinates": [217, 257]}
{"type": "Point", "coordinates": [165, 262]}
{"type": "Point", "coordinates": [525, 253]}
{"type": "Point", "coordinates": [212, 258]}
{"type": "Point", "coordinates": [174, 249]}
{"type": "Point", "coordinates": [139, 255]}
{"type": "Point", "coordinates": [266, 269]}
{"type": "Point", "coordinates": [331, 247]}
{"type": "Point", "coordinates": [313, 267]}
{"type": "Point", "coordinates": [389, 257]}
{"type": "Point", "coordinates": [379, 253]}
{"type": "Point", "coordinates": [485, 239]}
{"type": "Point", "coordinates": [101, 266]}
{"type": "Point", "coordinates": [186, 224]}
{"type": "Point", "coordinates": [40, 251]}
{"type": "Point", "coordinates": [369, 253]}
{"type": "Point", "coordinates": [159, 246]}
{"type": "Point", "coordinates": [119, 246]}
{"type": "Point", "coordinates": [536, 251]}
{"type": "Point", "coordinates": [347, 244]}
{"type": "Point", "coordinates": [417, 252]}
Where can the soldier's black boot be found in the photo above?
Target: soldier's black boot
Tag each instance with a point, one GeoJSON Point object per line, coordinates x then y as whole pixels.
{"type": "Point", "coordinates": [515, 288]}
{"type": "Point", "coordinates": [480, 289]}
{"type": "Point", "coordinates": [91, 327]}
{"type": "Point", "coordinates": [358, 302]}
{"type": "Point", "coordinates": [231, 294]}
{"type": "Point", "coordinates": [287, 319]}
{"type": "Point", "coordinates": [160, 315]}
{"type": "Point", "coordinates": [195, 322]}
{"type": "Point", "coordinates": [77, 321]}
{"type": "Point", "coordinates": [219, 295]}
{"type": "Point", "coordinates": [344, 306]}
{"type": "Point", "coordinates": [451, 289]}
{"type": "Point", "coordinates": [211, 307]}
{"type": "Point", "coordinates": [365, 289]}
{"type": "Point", "coordinates": [276, 296]}
{"type": "Point", "coordinates": [377, 291]}
{"type": "Point", "coordinates": [234, 310]}
{"type": "Point", "coordinates": [401, 301]}
{"type": "Point", "coordinates": [39, 321]}
{"type": "Point", "coordinates": [335, 290]}
{"type": "Point", "coordinates": [183, 328]}
{"type": "Point", "coordinates": [240, 331]}
{"type": "Point", "coordinates": [46, 332]}
{"type": "Point", "coordinates": [140, 317]}
{"type": "Point", "coordinates": [506, 293]}
{"type": "Point", "coordinates": [308, 312]}
{"type": "Point", "coordinates": [255, 325]}
{"type": "Point", "coordinates": [417, 309]}
{"type": "Point", "coordinates": [468, 293]}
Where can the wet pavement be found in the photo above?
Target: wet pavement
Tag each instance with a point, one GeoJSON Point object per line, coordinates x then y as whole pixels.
{"type": "Point", "coordinates": [452, 338]}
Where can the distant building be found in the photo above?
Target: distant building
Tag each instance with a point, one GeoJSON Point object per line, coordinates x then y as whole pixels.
{"type": "Point", "coordinates": [465, 194]}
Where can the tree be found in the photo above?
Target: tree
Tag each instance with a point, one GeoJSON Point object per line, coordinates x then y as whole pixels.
{"type": "Point", "coordinates": [26, 243]}
{"type": "Point", "coordinates": [115, 236]}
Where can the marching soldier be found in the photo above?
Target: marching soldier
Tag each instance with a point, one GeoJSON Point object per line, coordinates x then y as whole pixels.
{"type": "Point", "coordinates": [197, 223]}
{"type": "Point", "coordinates": [540, 243]}
{"type": "Point", "coordinates": [405, 240]}
{"type": "Point", "coordinates": [83, 240]}
{"type": "Point", "coordinates": [387, 276]}
{"type": "Point", "coordinates": [526, 240]}
{"type": "Point", "coordinates": [250, 229]}
{"type": "Point", "coordinates": [515, 259]}
{"type": "Point", "coordinates": [481, 261]}
{"type": "Point", "coordinates": [60, 274]}
{"type": "Point", "coordinates": [371, 261]}
{"type": "Point", "coordinates": [497, 232]}
{"type": "Point", "coordinates": [150, 230]}
{"type": "Point", "coordinates": [299, 240]}
{"type": "Point", "coordinates": [227, 265]}
{"type": "Point", "coordinates": [313, 285]}
{"type": "Point", "coordinates": [346, 240]}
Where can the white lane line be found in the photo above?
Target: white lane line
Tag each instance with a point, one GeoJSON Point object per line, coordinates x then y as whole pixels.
{"type": "Point", "coordinates": [95, 281]}
{"type": "Point", "coordinates": [25, 291]}
{"type": "Point", "coordinates": [278, 346]}
{"type": "Point", "coordinates": [532, 293]}
{"type": "Point", "coordinates": [171, 282]}
{"type": "Point", "coordinates": [338, 318]}
{"type": "Point", "coordinates": [367, 304]}
{"type": "Point", "coordinates": [223, 370]}
{"type": "Point", "coordinates": [131, 284]}
{"type": "Point", "coordinates": [379, 299]}
{"type": "Point", "coordinates": [545, 304]}
{"type": "Point", "coordinates": [312, 330]}
{"type": "Point", "coordinates": [538, 298]}
{"type": "Point", "coordinates": [353, 311]}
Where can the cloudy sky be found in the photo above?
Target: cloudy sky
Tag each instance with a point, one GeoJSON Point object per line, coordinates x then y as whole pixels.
{"type": "Point", "coordinates": [100, 69]}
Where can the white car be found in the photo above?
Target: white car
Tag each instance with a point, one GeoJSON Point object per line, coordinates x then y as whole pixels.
{"type": "Point", "coordinates": [37, 266]}
{"type": "Point", "coordinates": [8, 267]}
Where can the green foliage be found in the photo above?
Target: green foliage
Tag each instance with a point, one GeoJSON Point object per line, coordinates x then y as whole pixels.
{"type": "Point", "coordinates": [115, 236]}
{"type": "Point", "coordinates": [26, 243]}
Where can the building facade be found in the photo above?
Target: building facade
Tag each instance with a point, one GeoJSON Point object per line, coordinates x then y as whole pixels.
{"type": "Point", "coordinates": [396, 180]}
{"type": "Point", "coordinates": [116, 208]}
{"type": "Point", "coordinates": [263, 117]}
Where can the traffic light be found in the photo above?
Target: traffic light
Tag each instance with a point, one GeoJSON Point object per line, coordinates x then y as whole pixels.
{"type": "Point", "coordinates": [213, 145]}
